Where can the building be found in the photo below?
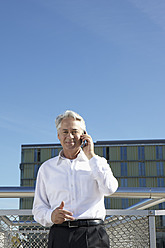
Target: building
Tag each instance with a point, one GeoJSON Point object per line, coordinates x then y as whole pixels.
{"type": "Point", "coordinates": [135, 163]}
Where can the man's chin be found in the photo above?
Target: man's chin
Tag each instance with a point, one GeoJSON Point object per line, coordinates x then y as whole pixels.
{"type": "Point", "coordinates": [72, 147]}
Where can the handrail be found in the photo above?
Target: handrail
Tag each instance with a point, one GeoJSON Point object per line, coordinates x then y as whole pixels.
{"type": "Point", "coordinates": [122, 192]}
{"type": "Point", "coordinates": [27, 212]}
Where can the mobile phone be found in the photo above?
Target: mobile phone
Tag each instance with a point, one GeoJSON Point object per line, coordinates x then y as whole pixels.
{"type": "Point", "coordinates": [84, 143]}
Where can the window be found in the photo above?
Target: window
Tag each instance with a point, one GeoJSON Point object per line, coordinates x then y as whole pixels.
{"type": "Point", "coordinates": [141, 153]}
{"type": "Point", "coordinates": [159, 152]}
{"type": "Point", "coordinates": [160, 169]}
{"type": "Point", "coordinates": [124, 169]}
{"type": "Point", "coordinates": [142, 169]}
{"type": "Point", "coordinates": [123, 153]}
{"type": "Point", "coordinates": [36, 168]}
{"type": "Point", "coordinates": [54, 152]}
{"type": "Point", "coordinates": [22, 156]}
{"type": "Point", "coordinates": [106, 152]}
{"type": "Point", "coordinates": [124, 203]}
{"type": "Point", "coordinates": [142, 182]}
{"type": "Point", "coordinates": [37, 155]}
{"type": "Point", "coordinates": [107, 202]}
{"type": "Point", "coordinates": [160, 182]}
{"type": "Point", "coordinates": [124, 182]}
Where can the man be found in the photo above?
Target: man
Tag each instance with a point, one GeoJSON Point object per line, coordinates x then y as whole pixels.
{"type": "Point", "coordinates": [70, 189]}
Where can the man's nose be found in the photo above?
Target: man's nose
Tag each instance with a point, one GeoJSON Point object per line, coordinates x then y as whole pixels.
{"type": "Point", "coordinates": [70, 135]}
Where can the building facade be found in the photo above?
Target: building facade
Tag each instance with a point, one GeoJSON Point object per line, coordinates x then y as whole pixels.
{"type": "Point", "coordinates": [135, 163]}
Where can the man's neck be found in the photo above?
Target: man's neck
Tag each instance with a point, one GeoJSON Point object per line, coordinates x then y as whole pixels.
{"type": "Point", "coordinates": [71, 154]}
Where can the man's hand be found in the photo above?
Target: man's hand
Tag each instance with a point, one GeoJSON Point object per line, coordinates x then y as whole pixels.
{"type": "Point", "coordinates": [89, 146]}
{"type": "Point", "coordinates": [59, 215]}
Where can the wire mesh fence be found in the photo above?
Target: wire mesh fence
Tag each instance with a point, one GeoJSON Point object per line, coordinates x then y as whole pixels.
{"type": "Point", "coordinates": [128, 231]}
{"type": "Point", "coordinates": [125, 229]}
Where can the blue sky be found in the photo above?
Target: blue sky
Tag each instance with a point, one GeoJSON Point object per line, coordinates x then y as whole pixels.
{"type": "Point", "coordinates": [103, 59]}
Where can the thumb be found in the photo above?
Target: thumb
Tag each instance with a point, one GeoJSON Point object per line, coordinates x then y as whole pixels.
{"type": "Point", "coordinates": [62, 205]}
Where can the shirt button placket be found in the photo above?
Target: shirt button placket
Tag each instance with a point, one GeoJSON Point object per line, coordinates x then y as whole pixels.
{"type": "Point", "coordinates": [72, 183]}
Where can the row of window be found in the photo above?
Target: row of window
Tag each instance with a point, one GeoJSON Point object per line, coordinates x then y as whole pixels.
{"type": "Point", "coordinates": [142, 182]}
{"type": "Point", "coordinates": [142, 169]}
{"type": "Point", "coordinates": [123, 153]}
{"type": "Point", "coordinates": [141, 152]}
{"type": "Point", "coordinates": [121, 169]}
{"type": "Point", "coordinates": [123, 182]}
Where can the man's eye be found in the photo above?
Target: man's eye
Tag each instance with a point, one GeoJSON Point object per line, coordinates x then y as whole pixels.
{"type": "Point", "coordinates": [74, 132]}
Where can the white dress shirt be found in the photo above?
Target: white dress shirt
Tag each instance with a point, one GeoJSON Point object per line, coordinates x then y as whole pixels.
{"type": "Point", "coordinates": [80, 183]}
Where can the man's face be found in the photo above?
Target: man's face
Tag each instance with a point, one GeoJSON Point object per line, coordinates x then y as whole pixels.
{"type": "Point", "coordinates": [69, 134]}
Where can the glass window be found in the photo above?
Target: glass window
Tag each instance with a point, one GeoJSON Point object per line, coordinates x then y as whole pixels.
{"type": "Point", "coordinates": [142, 169]}
{"type": "Point", "coordinates": [124, 203]}
{"type": "Point", "coordinates": [107, 202]}
{"type": "Point", "coordinates": [54, 152]}
{"type": "Point", "coordinates": [107, 152]}
{"type": "Point", "coordinates": [160, 169]}
{"type": "Point", "coordinates": [37, 155]}
{"type": "Point", "coordinates": [22, 171]}
{"type": "Point", "coordinates": [124, 182]}
{"type": "Point", "coordinates": [141, 153]}
{"type": "Point", "coordinates": [160, 182]}
{"type": "Point", "coordinates": [123, 169]}
{"type": "Point", "coordinates": [36, 168]}
{"type": "Point", "coordinates": [35, 183]}
{"type": "Point", "coordinates": [142, 182]}
{"type": "Point", "coordinates": [22, 156]}
{"type": "Point", "coordinates": [159, 152]}
{"type": "Point", "coordinates": [123, 153]}
{"type": "Point", "coordinates": [104, 152]}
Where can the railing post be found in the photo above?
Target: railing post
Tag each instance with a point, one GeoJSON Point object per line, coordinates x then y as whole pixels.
{"type": "Point", "coordinates": [152, 229]}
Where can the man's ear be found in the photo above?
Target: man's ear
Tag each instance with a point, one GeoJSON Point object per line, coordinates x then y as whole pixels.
{"type": "Point", "coordinates": [58, 135]}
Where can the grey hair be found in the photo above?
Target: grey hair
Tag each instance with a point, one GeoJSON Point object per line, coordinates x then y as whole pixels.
{"type": "Point", "coordinates": [70, 113]}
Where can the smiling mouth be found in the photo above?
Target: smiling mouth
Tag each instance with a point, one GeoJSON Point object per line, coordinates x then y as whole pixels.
{"type": "Point", "coordinates": [70, 142]}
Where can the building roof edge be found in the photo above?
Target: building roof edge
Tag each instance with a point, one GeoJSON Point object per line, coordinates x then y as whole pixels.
{"type": "Point", "coordinates": [103, 142]}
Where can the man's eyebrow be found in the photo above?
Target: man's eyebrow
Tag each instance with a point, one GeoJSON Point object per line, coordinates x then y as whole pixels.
{"type": "Point", "coordinates": [72, 129]}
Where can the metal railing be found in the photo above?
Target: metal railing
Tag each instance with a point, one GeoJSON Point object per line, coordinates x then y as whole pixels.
{"type": "Point", "coordinates": [126, 228]}
{"type": "Point", "coordinates": [122, 192]}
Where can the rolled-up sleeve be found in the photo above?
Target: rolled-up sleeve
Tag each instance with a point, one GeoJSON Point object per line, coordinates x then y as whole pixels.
{"type": "Point", "coordinates": [102, 172]}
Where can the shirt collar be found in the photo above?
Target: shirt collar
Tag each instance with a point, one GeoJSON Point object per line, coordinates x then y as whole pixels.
{"type": "Point", "coordinates": [80, 157]}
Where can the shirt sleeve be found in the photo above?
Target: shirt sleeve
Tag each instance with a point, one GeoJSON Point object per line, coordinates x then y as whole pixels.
{"type": "Point", "coordinates": [41, 207]}
{"type": "Point", "coordinates": [102, 172]}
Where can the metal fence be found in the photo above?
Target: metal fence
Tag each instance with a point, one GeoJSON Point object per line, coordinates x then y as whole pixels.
{"type": "Point", "coordinates": [126, 228]}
